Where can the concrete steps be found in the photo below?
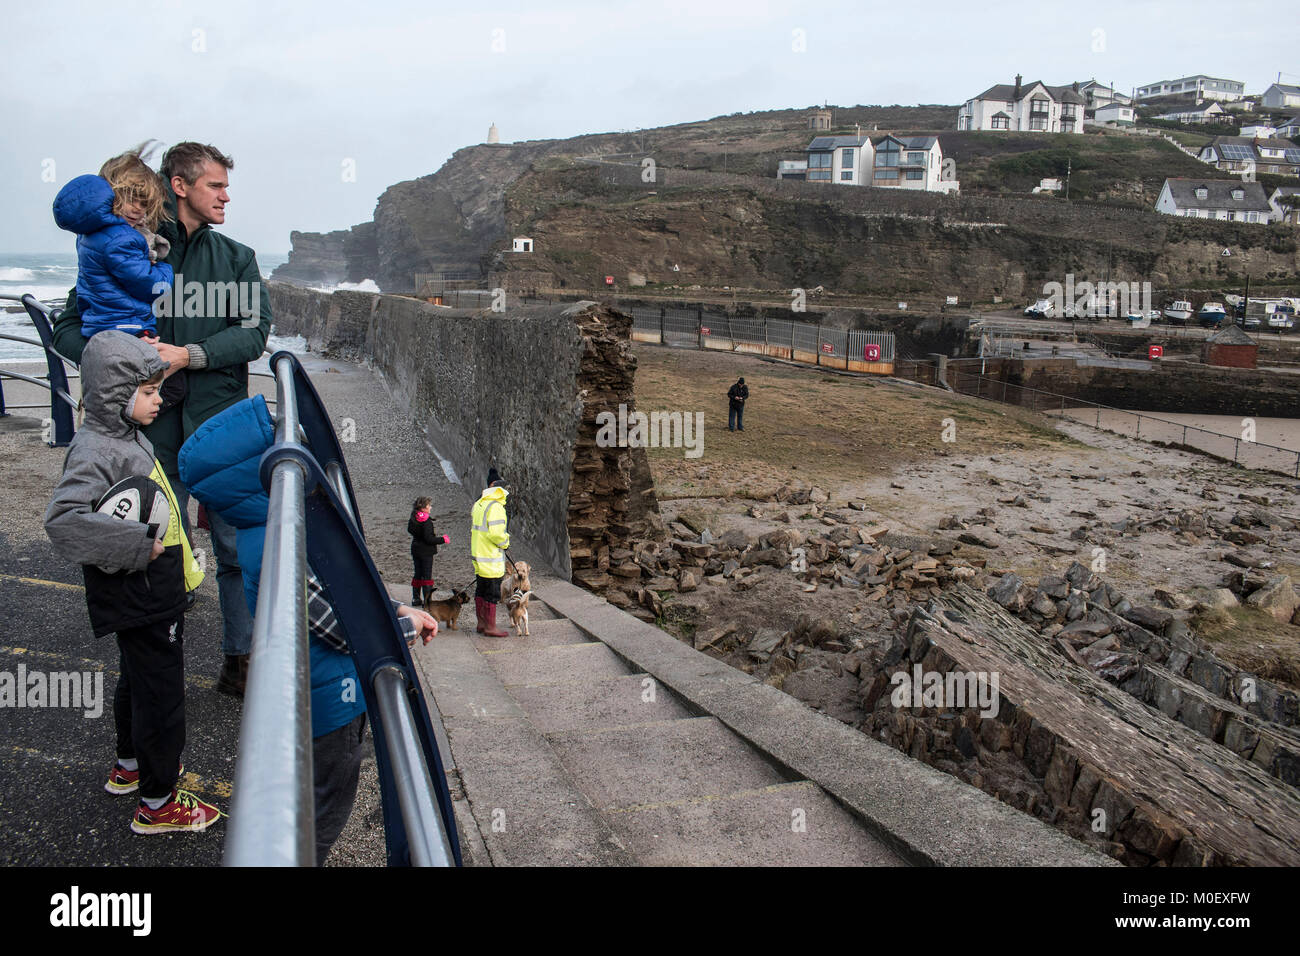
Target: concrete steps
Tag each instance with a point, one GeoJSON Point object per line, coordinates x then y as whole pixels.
{"type": "Point", "coordinates": [568, 755]}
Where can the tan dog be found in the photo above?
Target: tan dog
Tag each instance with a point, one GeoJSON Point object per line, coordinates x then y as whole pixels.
{"type": "Point", "coordinates": [516, 588]}
{"type": "Point", "coordinates": [448, 611]}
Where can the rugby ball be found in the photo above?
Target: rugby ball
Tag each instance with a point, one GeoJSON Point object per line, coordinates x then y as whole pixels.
{"type": "Point", "coordinates": [137, 499]}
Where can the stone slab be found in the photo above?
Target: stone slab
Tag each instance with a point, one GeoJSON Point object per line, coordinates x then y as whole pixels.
{"type": "Point", "coordinates": [652, 763]}
{"type": "Point", "coordinates": [789, 824]}
{"type": "Point", "coordinates": [558, 664]}
{"type": "Point", "coordinates": [598, 705]}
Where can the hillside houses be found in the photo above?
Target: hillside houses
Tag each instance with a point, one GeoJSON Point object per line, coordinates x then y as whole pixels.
{"type": "Point", "coordinates": [1208, 113]}
{"type": "Point", "coordinates": [891, 162]}
{"type": "Point", "coordinates": [1280, 96]}
{"type": "Point", "coordinates": [1228, 199]}
{"type": "Point", "coordinates": [1253, 155]}
{"type": "Point", "coordinates": [1022, 106]}
{"type": "Point", "coordinates": [1199, 87]}
{"type": "Point", "coordinates": [1285, 204]}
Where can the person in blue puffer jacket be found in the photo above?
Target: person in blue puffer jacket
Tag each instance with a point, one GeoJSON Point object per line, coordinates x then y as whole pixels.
{"type": "Point", "coordinates": [219, 465]}
{"type": "Point", "coordinates": [114, 216]}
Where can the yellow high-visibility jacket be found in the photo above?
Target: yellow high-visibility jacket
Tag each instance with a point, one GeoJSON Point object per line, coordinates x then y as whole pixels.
{"type": "Point", "coordinates": [488, 535]}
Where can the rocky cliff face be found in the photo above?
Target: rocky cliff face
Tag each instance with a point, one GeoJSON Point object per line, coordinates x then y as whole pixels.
{"type": "Point", "coordinates": [345, 255]}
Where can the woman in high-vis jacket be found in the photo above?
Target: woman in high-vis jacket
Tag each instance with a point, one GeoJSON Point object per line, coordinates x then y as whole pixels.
{"type": "Point", "coordinates": [487, 540]}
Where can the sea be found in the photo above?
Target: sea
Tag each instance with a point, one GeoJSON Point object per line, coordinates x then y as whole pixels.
{"type": "Point", "coordinates": [48, 276]}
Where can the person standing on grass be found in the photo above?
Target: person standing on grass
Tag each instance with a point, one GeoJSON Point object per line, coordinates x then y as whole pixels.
{"type": "Point", "coordinates": [736, 396]}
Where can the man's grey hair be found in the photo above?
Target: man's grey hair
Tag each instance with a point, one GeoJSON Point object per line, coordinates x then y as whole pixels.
{"type": "Point", "coordinates": [187, 160]}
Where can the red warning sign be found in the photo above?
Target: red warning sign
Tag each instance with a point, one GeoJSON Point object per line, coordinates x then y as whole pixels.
{"type": "Point", "coordinates": [871, 353]}
{"type": "Point", "coordinates": [828, 348]}
{"type": "Point", "coordinates": [704, 330]}
{"type": "Point", "coordinates": [1155, 351]}
{"type": "Point", "coordinates": [609, 280]}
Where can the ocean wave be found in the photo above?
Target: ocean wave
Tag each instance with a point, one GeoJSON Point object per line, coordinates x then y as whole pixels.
{"type": "Point", "coordinates": [15, 274]}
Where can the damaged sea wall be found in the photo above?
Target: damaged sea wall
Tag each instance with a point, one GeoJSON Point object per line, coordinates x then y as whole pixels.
{"type": "Point", "coordinates": [519, 390]}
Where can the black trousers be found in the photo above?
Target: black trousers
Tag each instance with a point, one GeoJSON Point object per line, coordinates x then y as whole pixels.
{"type": "Point", "coordinates": [149, 704]}
{"type": "Point", "coordinates": [488, 588]}
{"type": "Point", "coordinates": [335, 768]}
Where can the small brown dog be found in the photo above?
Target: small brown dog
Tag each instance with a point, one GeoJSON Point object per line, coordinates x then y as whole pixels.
{"type": "Point", "coordinates": [517, 589]}
{"type": "Point", "coordinates": [448, 611]}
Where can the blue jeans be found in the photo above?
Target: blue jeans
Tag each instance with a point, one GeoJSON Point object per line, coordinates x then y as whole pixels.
{"type": "Point", "coordinates": [735, 417]}
{"type": "Point", "coordinates": [236, 622]}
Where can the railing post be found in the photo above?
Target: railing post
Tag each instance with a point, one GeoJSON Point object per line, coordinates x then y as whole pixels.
{"type": "Point", "coordinates": [272, 813]}
{"type": "Point", "coordinates": [661, 326]}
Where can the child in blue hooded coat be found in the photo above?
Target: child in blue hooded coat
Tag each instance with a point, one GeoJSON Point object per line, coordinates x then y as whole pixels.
{"type": "Point", "coordinates": [219, 465]}
{"type": "Point", "coordinates": [114, 216]}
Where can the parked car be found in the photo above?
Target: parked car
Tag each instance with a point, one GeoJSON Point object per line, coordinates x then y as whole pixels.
{"type": "Point", "coordinates": [1154, 315]}
{"type": "Point", "coordinates": [1249, 322]}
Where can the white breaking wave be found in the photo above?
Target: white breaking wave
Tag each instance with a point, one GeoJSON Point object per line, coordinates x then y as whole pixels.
{"type": "Point", "coordinates": [365, 285]}
{"type": "Point", "coordinates": [11, 274]}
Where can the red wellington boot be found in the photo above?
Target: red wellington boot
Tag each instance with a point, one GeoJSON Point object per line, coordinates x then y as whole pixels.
{"type": "Point", "coordinates": [490, 619]}
{"type": "Point", "coordinates": [478, 614]}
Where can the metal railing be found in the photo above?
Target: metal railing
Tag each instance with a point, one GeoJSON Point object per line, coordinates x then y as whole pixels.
{"type": "Point", "coordinates": [1235, 448]}
{"type": "Point", "coordinates": [804, 342]}
{"type": "Point", "coordinates": [62, 404]}
{"type": "Point", "coordinates": [313, 521]}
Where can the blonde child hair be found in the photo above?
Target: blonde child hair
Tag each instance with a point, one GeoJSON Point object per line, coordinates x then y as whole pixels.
{"type": "Point", "coordinates": [133, 181]}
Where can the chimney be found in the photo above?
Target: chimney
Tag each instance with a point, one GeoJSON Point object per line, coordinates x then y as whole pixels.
{"type": "Point", "coordinates": [1075, 87]}
{"type": "Point", "coordinates": [1016, 96]}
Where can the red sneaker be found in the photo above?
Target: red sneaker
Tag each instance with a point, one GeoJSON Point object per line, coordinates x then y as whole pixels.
{"type": "Point", "coordinates": [183, 811]}
{"type": "Point", "coordinates": [121, 780]}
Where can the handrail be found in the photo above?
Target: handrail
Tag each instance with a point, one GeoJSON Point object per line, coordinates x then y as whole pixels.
{"type": "Point", "coordinates": [312, 523]}
{"type": "Point", "coordinates": [272, 814]}
{"type": "Point", "coordinates": [60, 413]}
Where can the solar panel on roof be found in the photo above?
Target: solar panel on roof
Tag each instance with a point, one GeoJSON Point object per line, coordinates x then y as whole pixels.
{"type": "Point", "coordinates": [1235, 151]}
{"type": "Point", "coordinates": [1293, 156]}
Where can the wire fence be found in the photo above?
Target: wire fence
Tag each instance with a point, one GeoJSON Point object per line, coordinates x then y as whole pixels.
{"type": "Point", "coordinates": [805, 342]}
{"type": "Point", "coordinates": [1239, 449]}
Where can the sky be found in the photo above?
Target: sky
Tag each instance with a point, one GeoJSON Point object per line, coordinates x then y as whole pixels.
{"type": "Point", "coordinates": [323, 105]}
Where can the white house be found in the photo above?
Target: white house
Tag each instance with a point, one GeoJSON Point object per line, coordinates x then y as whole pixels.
{"type": "Point", "coordinates": [1229, 199]}
{"type": "Point", "coordinates": [1279, 96]}
{"type": "Point", "coordinates": [1210, 113]}
{"type": "Point", "coordinates": [1096, 95]}
{"type": "Point", "coordinates": [1244, 154]}
{"type": "Point", "coordinates": [839, 159]}
{"type": "Point", "coordinates": [792, 169]}
{"type": "Point", "coordinates": [1290, 128]}
{"type": "Point", "coordinates": [1262, 132]}
{"type": "Point", "coordinates": [1200, 86]}
{"type": "Point", "coordinates": [1281, 211]}
{"type": "Point", "coordinates": [911, 162]}
{"type": "Point", "coordinates": [1116, 113]}
{"type": "Point", "coordinates": [522, 244]}
{"type": "Point", "coordinates": [1025, 106]}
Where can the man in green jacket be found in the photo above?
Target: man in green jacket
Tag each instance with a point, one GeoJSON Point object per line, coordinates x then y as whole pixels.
{"type": "Point", "coordinates": [211, 324]}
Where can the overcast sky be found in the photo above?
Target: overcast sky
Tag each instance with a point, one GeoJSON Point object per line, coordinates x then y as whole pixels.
{"type": "Point", "coordinates": [300, 94]}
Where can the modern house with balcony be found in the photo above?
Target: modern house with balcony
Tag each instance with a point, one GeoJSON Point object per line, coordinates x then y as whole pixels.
{"type": "Point", "coordinates": [1229, 199]}
{"type": "Point", "coordinates": [1200, 87]}
{"type": "Point", "coordinates": [845, 160]}
{"type": "Point", "coordinates": [1209, 113]}
{"type": "Point", "coordinates": [911, 162]}
{"type": "Point", "coordinates": [1024, 106]}
{"type": "Point", "coordinates": [1241, 154]}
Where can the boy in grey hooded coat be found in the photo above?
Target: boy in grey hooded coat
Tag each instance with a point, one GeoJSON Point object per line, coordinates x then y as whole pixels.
{"type": "Point", "coordinates": [135, 585]}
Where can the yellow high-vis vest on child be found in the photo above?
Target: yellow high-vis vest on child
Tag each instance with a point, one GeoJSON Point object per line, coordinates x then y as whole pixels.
{"type": "Point", "coordinates": [488, 535]}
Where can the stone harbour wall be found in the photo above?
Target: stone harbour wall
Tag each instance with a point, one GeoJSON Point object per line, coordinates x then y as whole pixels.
{"type": "Point", "coordinates": [517, 390]}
